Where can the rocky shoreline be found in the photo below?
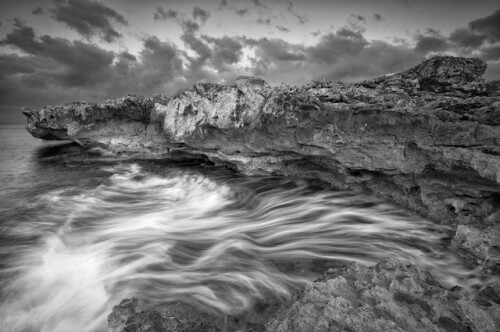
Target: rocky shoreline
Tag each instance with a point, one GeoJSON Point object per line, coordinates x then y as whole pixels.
{"type": "Point", "coordinates": [427, 139]}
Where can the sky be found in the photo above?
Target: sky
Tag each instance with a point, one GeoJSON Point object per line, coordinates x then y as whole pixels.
{"type": "Point", "coordinates": [57, 51]}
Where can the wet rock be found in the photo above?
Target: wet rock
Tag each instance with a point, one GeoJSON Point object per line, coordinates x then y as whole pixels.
{"type": "Point", "coordinates": [391, 296]}
{"type": "Point", "coordinates": [126, 318]}
{"type": "Point", "coordinates": [427, 139]}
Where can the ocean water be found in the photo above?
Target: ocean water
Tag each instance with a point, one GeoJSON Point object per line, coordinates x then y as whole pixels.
{"type": "Point", "coordinates": [79, 232]}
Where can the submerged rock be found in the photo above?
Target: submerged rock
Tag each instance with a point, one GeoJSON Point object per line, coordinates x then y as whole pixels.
{"type": "Point", "coordinates": [427, 138]}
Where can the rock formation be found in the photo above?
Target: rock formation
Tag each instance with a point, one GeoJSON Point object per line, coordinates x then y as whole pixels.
{"type": "Point", "coordinates": [427, 138]}
{"type": "Point", "coordinates": [391, 296]}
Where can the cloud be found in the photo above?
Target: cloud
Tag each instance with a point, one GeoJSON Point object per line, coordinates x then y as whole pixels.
{"type": "Point", "coordinates": [21, 37]}
{"type": "Point", "coordinates": [489, 26]}
{"type": "Point", "coordinates": [223, 4]}
{"type": "Point", "coordinates": [282, 28]}
{"type": "Point", "coordinates": [270, 50]}
{"type": "Point", "coordinates": [89, 18]}
{"type": "Point", "coordinates": [38, 11]}
{"type": "Point", "coordinates": [491, 53]}
{"type": "Point", "coordinates": [189, 26]}
{"type": "Point", "coordinates": [333, 46]}
{"type": "Point", "coordinates": [200, 14]}
{"type": "Point", "coordinates": [374, 59]}
{"type": "Point", "coordinates": [56, 70]}
{"type": "Point", "coordinates": [263, 21]}
{"type": "Point", "coordinates": [241, 12]}
{"type": "Point", "coordinates": [478, 39]}
{"type": "Point", "coordinates": [128, 56]}
{"type": "Point", "coordinates": [257, 3]}
{"type": "Point", "coordinates": [466, 38]}
{"type": "Point", "coordinates": [359, 18]}
{"type": "Point", "coordinates": [162, 14]}
{"type": "Point", "coordinates": [432, 41]}
{"type": "Point", "coordinates": [160, 63]}
{"type": "Point", "coordinates": [80, 64]}
{"type": "Point", "coordinates": [378, 17]}
{"type": "Point", "coordinates": [225, 51]}
{"type": "Point", "coordinates": [301, 18]}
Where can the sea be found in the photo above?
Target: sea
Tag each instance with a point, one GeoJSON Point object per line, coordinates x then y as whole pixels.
{"type": "Point", "coordinates": [80, 231]}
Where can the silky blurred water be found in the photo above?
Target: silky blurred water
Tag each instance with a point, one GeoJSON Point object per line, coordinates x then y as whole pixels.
{"type": "Point", "coordinates": [79, 232]}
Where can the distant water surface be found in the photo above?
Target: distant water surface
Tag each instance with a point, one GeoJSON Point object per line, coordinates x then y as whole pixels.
{"type": "Point", "coordinates": [79, 232]}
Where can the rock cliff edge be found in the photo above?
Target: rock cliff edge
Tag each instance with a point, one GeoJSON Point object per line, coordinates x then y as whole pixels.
{"type": "Point", "coordinates": [427, 138]}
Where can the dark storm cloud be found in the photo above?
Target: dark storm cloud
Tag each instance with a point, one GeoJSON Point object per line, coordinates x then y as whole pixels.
{"type": "Point", "coordinates": [11, 64]}
{"type": "Point", "coordinates": [473, 40]}
{"type": "Point", "coordinates": [160, 63]}
{"type": "Point", "coordinates": [431, 43]}
{"type": "Point", "coordinates": [200, 14]}
{"type": "Point", "coordinates": [56, 70]}
{"type": "Point", "coordinates": [375, 59]}
{"type": "Point", "coordinates": [378, 17]}
{"type": "Point", "coordinates": [162, 14]}
{"type": "Point", "coordinates": [89, 18]}
{"type": "Point", "coordinates": [489, 26]}
{"type": "Point", "coordinates": [196, 44]}
{"type": "Point", "coordinates": [466, 38]}
{"type": "Point", "coordinates": [81, 64]}
{"type": "Point", "coordinates": [21, 37]}
{"type": "Point", "coordinates": [225, 51]}
{"type": "Point", "coordinates": [491, 53]}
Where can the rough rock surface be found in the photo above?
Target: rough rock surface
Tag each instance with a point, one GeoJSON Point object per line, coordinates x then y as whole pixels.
{"type": "Point", "coordinates": [126, 318]}
{"type": "Point", "coordinates": [391, 296]}
{"type": "Point", "coordinates": [427, 138]}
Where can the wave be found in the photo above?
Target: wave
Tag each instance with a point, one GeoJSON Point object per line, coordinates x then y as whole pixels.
{"type": "Point", "coordinates": [216, 242]}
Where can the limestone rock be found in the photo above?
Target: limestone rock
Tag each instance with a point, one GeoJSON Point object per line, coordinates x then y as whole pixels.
{"type": "Point", "coordinates": [126, 318]}
{"type": "Point", "coordinates": [391, 296]}
{"type": "Point", "coordinates": [446, 73]}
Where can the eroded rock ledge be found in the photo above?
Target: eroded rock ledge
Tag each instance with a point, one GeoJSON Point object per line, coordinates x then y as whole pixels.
{"type": "Point", "coordinates": [427, 138]}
